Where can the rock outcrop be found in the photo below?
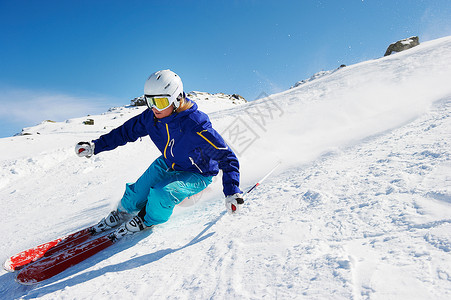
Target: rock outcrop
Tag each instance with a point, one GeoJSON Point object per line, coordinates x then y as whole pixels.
{"type": "Point", "coordinates": [402, 45]}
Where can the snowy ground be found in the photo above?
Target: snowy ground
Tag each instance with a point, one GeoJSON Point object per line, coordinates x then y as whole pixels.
{"type": "Point", "coordinates": [359, 209]}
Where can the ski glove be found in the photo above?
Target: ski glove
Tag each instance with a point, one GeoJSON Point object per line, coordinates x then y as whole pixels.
{"type": "Point", "coordinates": [85, 149]}
{"type": "Point", "coordinates": [234, 202]}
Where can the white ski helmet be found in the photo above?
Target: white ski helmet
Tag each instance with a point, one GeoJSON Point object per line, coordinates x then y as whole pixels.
{"type": "Point", "coordinates": [163, 89]}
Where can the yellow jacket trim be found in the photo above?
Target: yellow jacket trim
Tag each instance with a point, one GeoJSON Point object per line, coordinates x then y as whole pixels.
{"type": "Point", "coordinates": [200, 133]}
{"type": "Point", "coordinates": [169, 138]}
{"type": "Point", "coordinates": [216, 147]}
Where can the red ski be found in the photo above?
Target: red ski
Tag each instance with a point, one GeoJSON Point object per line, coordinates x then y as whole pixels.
{"type": "Point", "coordinates": [50, 266]}
{"type": "Point", "coordinates": [22, 259]}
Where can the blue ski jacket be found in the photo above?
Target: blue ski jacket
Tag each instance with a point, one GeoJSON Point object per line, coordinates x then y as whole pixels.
{"type": "Point", "coordinates": [186, 140]}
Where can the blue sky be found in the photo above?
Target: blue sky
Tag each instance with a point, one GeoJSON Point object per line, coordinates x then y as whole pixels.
{"type": "Point", "coordinates": [64, 59]}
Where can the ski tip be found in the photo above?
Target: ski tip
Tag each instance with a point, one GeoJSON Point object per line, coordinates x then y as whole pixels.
{"type": "Point", "coordinates": [24, 281]}
{"type": "Point", "coordinates": [8, 266]}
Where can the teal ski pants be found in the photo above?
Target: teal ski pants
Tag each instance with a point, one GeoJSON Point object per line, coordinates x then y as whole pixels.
{"type": "Point", "coordinates": [159, 189]}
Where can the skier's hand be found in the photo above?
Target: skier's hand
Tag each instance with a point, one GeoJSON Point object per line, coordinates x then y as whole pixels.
{"type": "Point", "coordinates": [85, 149]}
{"type": "Point", "coordinates": [234, 202]}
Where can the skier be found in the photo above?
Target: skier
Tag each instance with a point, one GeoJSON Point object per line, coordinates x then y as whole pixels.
{"type": "Point", "coordinates": [192, 152]}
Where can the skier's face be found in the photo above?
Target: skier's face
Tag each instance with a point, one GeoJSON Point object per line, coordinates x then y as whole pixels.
{"type": "Point", "coordinates": [164, 113]}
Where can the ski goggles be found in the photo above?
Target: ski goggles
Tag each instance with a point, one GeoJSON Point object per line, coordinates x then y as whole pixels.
{"type": "Point", "coordinates": [159, 102]}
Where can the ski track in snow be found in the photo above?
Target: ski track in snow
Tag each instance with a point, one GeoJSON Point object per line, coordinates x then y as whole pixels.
{"type": "Point", "coordinates": [386, 224]}
{"type": "Point", "coordinates": [365, 214]}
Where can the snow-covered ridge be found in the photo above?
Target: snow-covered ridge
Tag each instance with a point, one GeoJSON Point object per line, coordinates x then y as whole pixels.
{"type": "Point", "coordinates": [115, 116]}
{"type": "Point", "coordinates": [202, 96]}
{"type": "Point", "coordinates": [317, 75]}
{"type": "Point", "coordinates": [360, 208]}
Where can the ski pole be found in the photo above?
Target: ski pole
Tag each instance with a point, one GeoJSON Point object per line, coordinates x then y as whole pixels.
{"type": "Point", "coordinates": [255, 185]}
{"type": "Point", "coordinates": [263, 179]}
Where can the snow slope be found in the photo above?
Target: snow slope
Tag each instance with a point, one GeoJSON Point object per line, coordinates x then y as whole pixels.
{"type": "Point", "coordinates": [359, 209]}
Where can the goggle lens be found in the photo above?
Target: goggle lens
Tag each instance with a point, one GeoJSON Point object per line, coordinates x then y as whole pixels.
{"type": "Point", "coordinates": [159, 103]}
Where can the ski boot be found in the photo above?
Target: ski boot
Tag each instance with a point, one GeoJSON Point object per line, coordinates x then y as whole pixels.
{"type": "Point", "coordinates": [113, 219]}
{"type": "Point", "coordinates": [134, 225]}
